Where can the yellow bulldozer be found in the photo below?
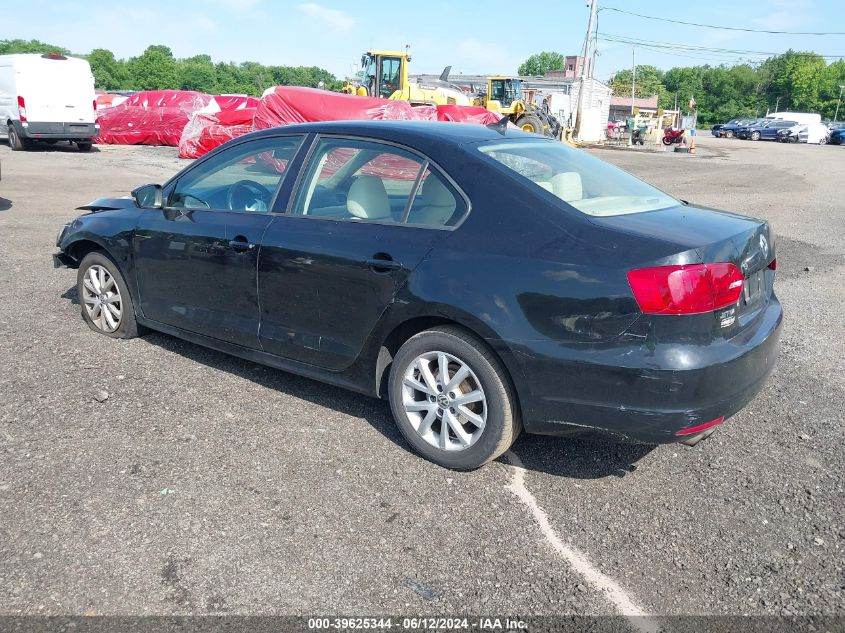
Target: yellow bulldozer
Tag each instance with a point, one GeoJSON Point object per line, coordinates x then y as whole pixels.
{"type": "Point", "coordinates": [504, 95]}
{"type": "Point", "coordinates": [385, 74]}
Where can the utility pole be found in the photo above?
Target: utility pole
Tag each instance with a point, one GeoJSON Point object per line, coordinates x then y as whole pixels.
{"type": "Point", "coordinates": [633, 76]}
{"type": "Point", "coordinates": [836, 116]}
{"type": "Point", "coordinates": [588, 43]}
{"type": "Point", "coordinates": [777, 104]}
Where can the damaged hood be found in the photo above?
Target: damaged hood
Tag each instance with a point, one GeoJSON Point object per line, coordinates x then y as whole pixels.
{"type": "Point", "coordinates": [108, 204]}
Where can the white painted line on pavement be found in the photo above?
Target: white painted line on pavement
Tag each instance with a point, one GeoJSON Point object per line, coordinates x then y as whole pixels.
{"type": "Point", "coordinates": [623, 603]}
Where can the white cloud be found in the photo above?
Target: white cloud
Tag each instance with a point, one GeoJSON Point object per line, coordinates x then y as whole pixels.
{"type": "Point", "coordinates": [337, 20]}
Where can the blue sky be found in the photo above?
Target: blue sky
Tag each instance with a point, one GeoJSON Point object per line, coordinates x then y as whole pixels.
{"type": "Point", "coordinates": [474, 37]}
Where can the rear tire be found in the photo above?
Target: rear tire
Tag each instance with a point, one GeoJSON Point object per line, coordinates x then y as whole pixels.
{"type": "Point", "coordinates": [425, 406]}
{"type": "Point", "coordinates": [755, 136]}
{"type": "Point", "coordinates": [667, 141]}
{"type": "Point", "coordinates": [530, 123]}
{"type": "Point", "coordinates": [104, 297]}
{"type": "Point", "coordinates": [84, 146]}
{"type": "Point", "coordinates": [17, 143]}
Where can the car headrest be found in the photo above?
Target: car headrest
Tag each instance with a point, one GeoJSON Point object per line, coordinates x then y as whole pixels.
{"type": "Point", "coordinates": [567, 186]}
{"type": "Point", "coordinates": [367, 198]}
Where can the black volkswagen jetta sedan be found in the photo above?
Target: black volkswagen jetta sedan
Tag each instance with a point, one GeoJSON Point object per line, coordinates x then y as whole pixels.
{"type": "Point", "coordinates": [483, 280]}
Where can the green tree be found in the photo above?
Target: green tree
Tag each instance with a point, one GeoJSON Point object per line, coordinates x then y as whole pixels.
{"type": "Point", "coordinates": [155, 69]}
{"type": "Point", "coordinates": [649, 81]}
{"type": "Point", "coordinates": [8, 47]}
{"type": "Point", "coordinates": [541, 63]}
{"type": "Point", "coordinates": [197, 73]}
{"type": "Point", "coordinates": [109, 73]}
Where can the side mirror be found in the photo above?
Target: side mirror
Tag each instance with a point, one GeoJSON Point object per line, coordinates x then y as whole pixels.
{"type": "Point", "coordinates": [148, 196]}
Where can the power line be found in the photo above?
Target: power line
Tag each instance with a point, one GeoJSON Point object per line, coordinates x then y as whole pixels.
{"type": "Point", "coordinates": [724, 28]}
{"type": "Point", "coordinates": [612, 37]}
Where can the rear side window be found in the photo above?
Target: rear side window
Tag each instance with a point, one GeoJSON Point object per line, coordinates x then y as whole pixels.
{"type": "Point", "coordinates": [585, 183]}
{"type": "Point", "coordinates": [367, 181]}
{"type": "Point", "coordinates": [435, 203]}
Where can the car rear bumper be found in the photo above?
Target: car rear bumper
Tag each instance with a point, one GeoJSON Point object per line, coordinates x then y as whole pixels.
{"type": "Point", "coordinates": [45, 130]}
{"type": "Point", "coordinates": [648, 392]}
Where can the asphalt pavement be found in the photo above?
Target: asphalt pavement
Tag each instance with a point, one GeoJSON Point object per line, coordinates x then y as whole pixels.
{"type": "Point", "coordinates": [205, 484]}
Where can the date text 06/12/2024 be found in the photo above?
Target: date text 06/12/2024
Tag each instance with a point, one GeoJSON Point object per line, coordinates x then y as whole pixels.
{"type": "Point", "coordinates": [418, 624]}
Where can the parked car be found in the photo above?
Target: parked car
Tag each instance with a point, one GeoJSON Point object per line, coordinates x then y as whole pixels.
{"type": "Point", "coordinates": [766, 131]}
{"type": "Point", "coordinates": [815, 133]}
{"type": "Point", "coordinates": [482, 279]}
{"type": "Point", "coordinates": [728, 130]}
{"type": "Point", "coordinates": [719, 130]}
{"type": "Point", "coordinates": [837, 136]}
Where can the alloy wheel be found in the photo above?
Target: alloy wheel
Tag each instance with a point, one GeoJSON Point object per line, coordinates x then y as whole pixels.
{"type": "Point", "coordinates": [101, 298]}
{"type": "Point", "coordinates": [444, 401]}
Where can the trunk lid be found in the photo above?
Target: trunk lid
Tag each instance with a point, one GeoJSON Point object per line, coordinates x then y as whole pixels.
{"type": "Point", "coordinates": [702, 236]}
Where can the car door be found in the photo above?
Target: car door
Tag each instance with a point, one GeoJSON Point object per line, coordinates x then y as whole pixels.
{"type": "Point", "coordinates": [363, 216]}
{"type": "Point", "coordinates": [196, 258]}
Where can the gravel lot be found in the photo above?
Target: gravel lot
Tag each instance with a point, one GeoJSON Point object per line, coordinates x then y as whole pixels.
{"type": "Point", "coordinates": [208, 485]}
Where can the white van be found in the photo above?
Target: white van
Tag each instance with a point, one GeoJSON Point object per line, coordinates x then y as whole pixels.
{"type": "Point", "coordinates": [804, 118]}
{"type": "Point", "coordinates": [49, 98]}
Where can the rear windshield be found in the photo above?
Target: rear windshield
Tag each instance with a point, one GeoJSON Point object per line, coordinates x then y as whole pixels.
{"type": "Point", "coordinates": [588, 184]}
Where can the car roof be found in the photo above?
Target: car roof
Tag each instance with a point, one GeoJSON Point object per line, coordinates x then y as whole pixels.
{"type": "Point", "coordinates": [404, 131]}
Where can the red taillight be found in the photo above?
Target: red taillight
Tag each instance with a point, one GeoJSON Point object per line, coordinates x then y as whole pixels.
{"type": "Point", "coordinates": [22, 109]}
{"type": "Point", "coordinates": [689, 289]}
{"type": "Point", "coordinates": [773, 265]}
{"type": "Point", "coordinates": [95, 105]}
{"type": "Point", "coordinates": [700, 427]}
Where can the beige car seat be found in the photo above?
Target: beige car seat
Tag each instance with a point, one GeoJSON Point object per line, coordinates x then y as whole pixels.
{"type": "Point", "coordinates": [367, 199]}
{"type": "Point", "coordinates": [437, 204]}
{"type": "Point", "coordinates": [567, 186]}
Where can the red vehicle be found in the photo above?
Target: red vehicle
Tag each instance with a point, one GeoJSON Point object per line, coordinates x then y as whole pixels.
{"type": "Point", "coordinates": [672, 135]}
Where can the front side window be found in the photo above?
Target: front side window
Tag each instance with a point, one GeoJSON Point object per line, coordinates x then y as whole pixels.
{"type": "Point", "coordinates": [588, 184]}
{"type": "Point", "coordinates": [243, 178]}
{"type": "Point", "coordinates": [368, 181]}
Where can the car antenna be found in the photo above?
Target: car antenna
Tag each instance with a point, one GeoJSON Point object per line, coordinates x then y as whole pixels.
{"type": "Point", "coordinates": [500, 126]}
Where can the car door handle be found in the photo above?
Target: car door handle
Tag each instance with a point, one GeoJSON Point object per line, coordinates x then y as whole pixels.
{"type": "Point", "coordinates": [240, 244]}
{"type": "Point", "coordinates": [382, 263]}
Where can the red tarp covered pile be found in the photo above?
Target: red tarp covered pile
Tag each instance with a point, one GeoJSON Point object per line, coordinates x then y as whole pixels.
{"type": "Point", "coordinates": [285, 105]}
{"type": "Point", "coordinates": [108, 100]}
{"type": "Point", "coordinates": [208, 129]}
{"type": "Point", "coordinates": [155, 117]}
{"type": "Point", "coordinates": [198, 122]}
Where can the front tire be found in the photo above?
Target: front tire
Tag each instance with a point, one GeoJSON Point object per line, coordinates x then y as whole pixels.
{"type": "Point", "coordinates": [755, 136]}
{"type": "Point", "coordinates": [530, 123]}
{"type": "Point", "coordinates": [729, 134]}
{"type": "Point", "coordinates": [104, 297]}
{"type": "Point", "coordinates": [452, 400]}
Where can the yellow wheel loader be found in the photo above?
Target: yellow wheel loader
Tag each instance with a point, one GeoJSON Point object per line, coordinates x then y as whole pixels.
{"type": "Point", "coordinates": [385, 74]}
{"type": "Point", "coordinates": [504, 95]}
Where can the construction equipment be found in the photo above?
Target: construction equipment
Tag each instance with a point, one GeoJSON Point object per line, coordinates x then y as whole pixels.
{"type": "Point", "coordinates": [504, 95]}
{"type": "Point", "coordinates": [385, 74]}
